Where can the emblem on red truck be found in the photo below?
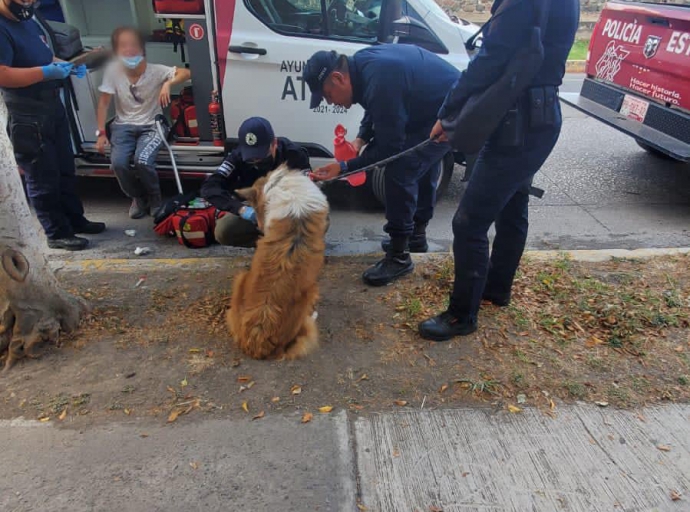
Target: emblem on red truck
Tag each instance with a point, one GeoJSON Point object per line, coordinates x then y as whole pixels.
{"type": "Point", "coordinates": [651, 46]}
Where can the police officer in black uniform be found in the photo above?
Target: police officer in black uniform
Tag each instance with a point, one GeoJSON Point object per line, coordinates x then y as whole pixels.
{"type": "Point", "coordinates": [259, 152]}
{"type": "Point", "coordinates": [498, 191]}
{"type": "Point", "coordinates": [31, 81]}
{"type": "Point", "coordinates": [401, 87]}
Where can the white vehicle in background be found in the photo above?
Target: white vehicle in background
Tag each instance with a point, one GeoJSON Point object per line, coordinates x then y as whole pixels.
{"type": "Point", "coordinates": [253, 52]}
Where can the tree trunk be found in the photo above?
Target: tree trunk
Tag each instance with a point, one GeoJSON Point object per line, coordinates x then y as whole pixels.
{"type": "Point", "coordinates": [33, 307]}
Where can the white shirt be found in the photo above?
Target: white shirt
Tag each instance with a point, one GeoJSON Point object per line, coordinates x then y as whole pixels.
{"type": "Point", "coordinates": [143, 109]}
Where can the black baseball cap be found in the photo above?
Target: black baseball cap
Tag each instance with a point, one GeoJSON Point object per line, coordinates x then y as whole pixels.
{"type": "Point", "coordinates": [318, 67]}
{"type": "Point", "coordinates": [256, 136]}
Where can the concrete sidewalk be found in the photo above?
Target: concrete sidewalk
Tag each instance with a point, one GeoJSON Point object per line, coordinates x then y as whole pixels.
{"type": "Point", "coordinates": [585, 459]}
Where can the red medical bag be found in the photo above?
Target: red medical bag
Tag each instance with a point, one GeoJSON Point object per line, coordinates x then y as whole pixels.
{"type": "Point", "coordinates": [178, 6]}
{"type": "Point", "coordinates": [183, 113]}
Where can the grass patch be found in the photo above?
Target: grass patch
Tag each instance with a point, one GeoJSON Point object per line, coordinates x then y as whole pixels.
{"type": "Point", "coordinates": [579, 50]}
{"type": "Point", "coordinates": [573, 325]}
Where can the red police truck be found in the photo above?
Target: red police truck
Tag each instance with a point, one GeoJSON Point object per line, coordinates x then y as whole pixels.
{"type": "Point", "coordinates": [638, 75]}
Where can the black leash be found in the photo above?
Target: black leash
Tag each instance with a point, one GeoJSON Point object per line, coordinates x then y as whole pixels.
{"type": "Point", "coordinates": [533, 191]}
{"type": "Point", "coordinates": [384, 162]}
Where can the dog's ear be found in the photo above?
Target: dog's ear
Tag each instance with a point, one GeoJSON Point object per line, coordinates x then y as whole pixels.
{"type": "Point", "coordinates": [248, 194]}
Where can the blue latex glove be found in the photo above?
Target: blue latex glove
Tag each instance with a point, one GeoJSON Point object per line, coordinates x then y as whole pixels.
{"type": "Point", "coordinates": [79, 71]}
{"type": "Point", "coordinates": [56, 71]}
{"type": "Point", "coordinates": [248, 213]}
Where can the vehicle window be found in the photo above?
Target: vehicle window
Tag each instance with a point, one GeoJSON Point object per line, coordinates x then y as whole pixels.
{"type": "Point", "coordinates": [354, 18]}
{"type": "Point", "coordinates": [350, 19]}
{"type": "Point", "coordinates": [300, 17]}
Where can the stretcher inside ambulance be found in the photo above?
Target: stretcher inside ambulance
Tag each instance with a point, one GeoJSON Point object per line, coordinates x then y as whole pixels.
{"type": "Point", "coordinates": [252, 52]}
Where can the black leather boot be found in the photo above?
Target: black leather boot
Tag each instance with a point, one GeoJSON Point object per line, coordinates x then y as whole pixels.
{"type": "Point", "coordinates": [69, 243]}
{"type": "Point", "coordinates": [417, 242]}
{"type": "Point", "coordinates": [90, 228]}
{"type": "Point", "coordinates": [446, 326]}
{"type": "Point", "coordinates": [497, 299]}
{"type": "Point", "coordinates": [396, 264]}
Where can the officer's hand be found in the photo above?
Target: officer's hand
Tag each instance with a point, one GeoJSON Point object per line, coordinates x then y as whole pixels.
{"type": "Point", "coordinates": [248, 213]}
{"type": "Point", "coordinates": [358, 144]}
{"type": "Point", "coordinates": [79, 71]}
{"type": "Point", "coordinates": [101, 143]}
{"type": "Point", "coordinates": [437, 133]}
{"type": "Point", "coordinates": [164, 96]}
{"type": "Point", "coordinates": [56, 71]}
{"type": "Point", "coordinates": [328, 172]}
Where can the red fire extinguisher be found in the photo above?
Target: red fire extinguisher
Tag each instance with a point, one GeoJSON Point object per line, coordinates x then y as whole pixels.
{"type": "Point", "coordinates": [344, 151]}
{"type": "Point", "coordinates": [215, 110]}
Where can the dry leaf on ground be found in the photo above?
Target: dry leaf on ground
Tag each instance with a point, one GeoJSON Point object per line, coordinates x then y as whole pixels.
{"type": "Point", "coordinates": [296, 390]}
{"type": "Point", "coordinates": [400, 403]}
{"type": "Point", "coordinates": [326, 409]}
{"type": "Point", "coordinates": [245, 406]}
{"type": "Point", "coordinates": [63, 415]}
{"type": "Point", "coordinates": [307, 417]}
{"type": "Point", "coordinates": [194, 465]}
{"type": "Point", "coordinates": [675, 495]}
{"type": "Point", "coordinates": [173, 415]}
{"type": "Point", "coordinates": [514, 409]}
{"type": "Point", "coordinates": [275, 399]}
{"type": "Point", "coordinates": [244, 378]}
{"type": "Point", "coordinates": [664, 447]}
{"type": "Point", "coordinates": [259, 416]}
{"type": "Point", "coordinates": [362, 507]}
{"type": "Point", "coordinates": [184, 382]}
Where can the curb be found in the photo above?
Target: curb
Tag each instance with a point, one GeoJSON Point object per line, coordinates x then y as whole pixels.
{"type": "Point", "coordinates": [575, 66]}
{"type": "Point", "coordinates": [132, 266]}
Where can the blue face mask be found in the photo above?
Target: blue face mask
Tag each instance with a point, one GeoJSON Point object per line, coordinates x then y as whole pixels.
{"type": "Point", "coordinates": [132, 62]}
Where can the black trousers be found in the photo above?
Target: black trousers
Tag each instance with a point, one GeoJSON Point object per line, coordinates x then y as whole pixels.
{"type": "Point", "coordinates": [497, 192]}
{"type": "Point", "coordinates": [411, 189]}
{"type": "Point", "coordinates": [40, 134]}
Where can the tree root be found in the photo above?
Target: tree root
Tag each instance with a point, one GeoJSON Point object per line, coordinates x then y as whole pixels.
{"type": "Point", "coordinates": [33, 309]}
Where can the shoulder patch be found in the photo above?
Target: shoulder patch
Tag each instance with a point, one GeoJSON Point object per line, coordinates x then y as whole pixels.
{"type": "Point", "coordinates": [225, 169]}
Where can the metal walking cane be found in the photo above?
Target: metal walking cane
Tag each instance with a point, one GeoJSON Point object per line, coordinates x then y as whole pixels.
{"type": "Point", "coordinates": [160, 121]}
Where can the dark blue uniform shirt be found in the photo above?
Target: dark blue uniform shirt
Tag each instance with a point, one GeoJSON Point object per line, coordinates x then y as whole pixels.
{"type": "Point", "coordinates": [23, 45]}
{"type": "Point", "coordinates": [401, 88]}
{"type": "Point", "coordinates": [509, 32]}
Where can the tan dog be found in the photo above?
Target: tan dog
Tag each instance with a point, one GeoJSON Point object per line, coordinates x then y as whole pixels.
{"type": "Point", "coordinates": [272, 313]}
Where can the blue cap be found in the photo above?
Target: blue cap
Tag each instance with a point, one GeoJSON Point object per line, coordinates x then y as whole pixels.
{"type": "Point", "coordinates": [318, 67]}
{"type": "Point", "coordinates": [256, 136]}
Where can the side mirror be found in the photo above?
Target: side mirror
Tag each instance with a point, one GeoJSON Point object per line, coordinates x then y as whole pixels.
{"type": "Point", "coordinates": [408, 30]}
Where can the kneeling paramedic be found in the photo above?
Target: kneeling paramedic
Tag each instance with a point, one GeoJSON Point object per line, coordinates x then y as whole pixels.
{"type": "Point", "coordinates": [498, 190]}
{"type": "Point", "coordinates": [401, 88]}
{"type": "Point", "coordinates": [259, 152]}
{"type": "Point", "coordinates": [31, 80]}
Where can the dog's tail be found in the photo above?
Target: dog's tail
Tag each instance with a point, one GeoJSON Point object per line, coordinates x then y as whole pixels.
{"type": "Point", "coordinates": [306, 341]}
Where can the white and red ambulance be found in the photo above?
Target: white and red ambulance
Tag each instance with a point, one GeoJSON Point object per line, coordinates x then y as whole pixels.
{"type": "Point", "coordinates": [253, 52]}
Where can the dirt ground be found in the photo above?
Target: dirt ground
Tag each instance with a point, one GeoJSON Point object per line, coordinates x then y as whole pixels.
{"type": "Point", "coordinates": [156, 346]}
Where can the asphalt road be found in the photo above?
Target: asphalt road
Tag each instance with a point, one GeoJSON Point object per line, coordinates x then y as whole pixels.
{"type": "Point", "coordinates": [602, 191]}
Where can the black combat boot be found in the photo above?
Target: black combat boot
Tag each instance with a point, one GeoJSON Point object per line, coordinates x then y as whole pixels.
{"type": "Point", "coordinates": [395, 264]}
{"type": "Point", "coordinates": [417, 242]}
{"type": "Point", "coordinates": [497, 299]}
{"type": "Point", "coordinates": [69, 243]}
{"type": "Point", "coordinates": [446, 326]}
{"type": "Point", "coordinates": [90, 228]}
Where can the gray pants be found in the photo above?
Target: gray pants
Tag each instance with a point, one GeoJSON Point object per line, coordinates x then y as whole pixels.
{"type": "Point", "coordinates": [142, 143]}
{"type": "Point", "coordinates": [235, 231]}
